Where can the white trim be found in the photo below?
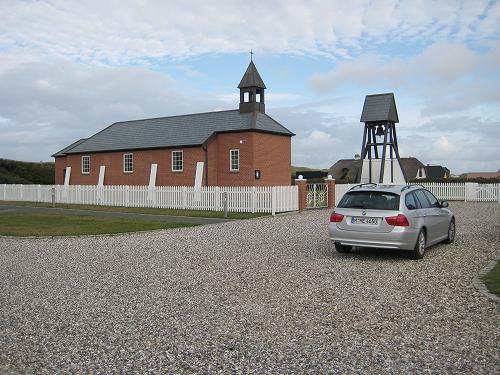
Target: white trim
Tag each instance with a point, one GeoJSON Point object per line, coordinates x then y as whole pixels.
{"type": "Point", "coordinates": [182, 160]}
{"type": "Point", "coordinates": [126, 154]}
{"type": "Point", "coordinates": [85, 156]}
{"type": "Point", "coordinates": [231, 160]}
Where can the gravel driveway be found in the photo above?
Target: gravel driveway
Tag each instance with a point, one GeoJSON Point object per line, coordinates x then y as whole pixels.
{"type": "Point", "coordinates": [266, 296]}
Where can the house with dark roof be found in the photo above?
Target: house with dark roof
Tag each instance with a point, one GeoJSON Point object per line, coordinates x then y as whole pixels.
{"type": "Point", "coordinates": [437, 172]}
{"type": "Point", "coordinates": [241, 147]}
{"type": "Point", "coordinates": [349, 170]}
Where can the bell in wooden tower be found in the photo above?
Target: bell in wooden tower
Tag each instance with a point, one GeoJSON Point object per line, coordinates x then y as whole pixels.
{"type": "Point", "coordinates": [379, 151]}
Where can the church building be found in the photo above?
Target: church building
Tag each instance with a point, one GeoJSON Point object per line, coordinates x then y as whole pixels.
{"type": "Point", "coordinates": [241, 147]}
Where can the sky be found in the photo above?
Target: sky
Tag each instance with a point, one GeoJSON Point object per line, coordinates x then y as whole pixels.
{"type": "Point", "coordinates": [70, 68]}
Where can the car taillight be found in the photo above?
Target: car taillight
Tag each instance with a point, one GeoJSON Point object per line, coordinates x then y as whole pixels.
{"type": "Point", "coordinates": [336, 218]}
{"type": "Point", "coordinates": [398, 221]}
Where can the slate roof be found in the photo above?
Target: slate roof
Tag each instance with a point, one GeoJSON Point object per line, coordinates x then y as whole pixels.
{"type": "Point", "coordinates": [67, 148]}
{"type": "Point", "coordinates": [483, 175]}
{"type": "Point", "coordinates": [346, 170]}
{"type": "Point", "coordinates": [379, 107]}
{"type": "Point", "coordinates": [251, 78]}
{"type": "Point", "coordinates": [174, 131]}
{"type": "Point", "coordinates": [350, 169]}
{"type": "Point", "coordinates": [436, 171]}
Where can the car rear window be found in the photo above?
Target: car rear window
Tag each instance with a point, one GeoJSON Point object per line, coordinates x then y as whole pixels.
{"type": "Point", "coordinates": [374, 200]}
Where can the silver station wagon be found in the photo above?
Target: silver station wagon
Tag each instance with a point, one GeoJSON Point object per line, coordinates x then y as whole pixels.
{"type": "Point", "coordinates": [405, 217]}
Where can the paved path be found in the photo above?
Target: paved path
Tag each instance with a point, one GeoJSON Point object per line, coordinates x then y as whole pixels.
{"type": "Point", "coordinates": [6, 209]}
{"type": "Point", "coordinates": [266, 296]}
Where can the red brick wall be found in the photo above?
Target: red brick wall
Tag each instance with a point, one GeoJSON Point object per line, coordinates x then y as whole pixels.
{"type": "Point", "coordinates": [142, 168]}
{"type": "Point", "coordinates": [273, 157]}
{"type": "Point", "coordinates": [225, 143]}
{"type": "Point", "coordinates": [269, 153]}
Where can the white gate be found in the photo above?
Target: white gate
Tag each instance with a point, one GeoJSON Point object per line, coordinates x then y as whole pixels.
{"type": "Point", "coordinates": [317, 195]}
{"type": "Point", "coordinates": [482, 192]}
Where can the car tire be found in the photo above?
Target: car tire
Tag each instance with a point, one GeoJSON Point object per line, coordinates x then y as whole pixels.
{"type": "Point", "coordinates": [451, 232]}
{"type": "Point", "coordinates": [342, 248]}
{"type": "Point", "coordinates": [419, 250]}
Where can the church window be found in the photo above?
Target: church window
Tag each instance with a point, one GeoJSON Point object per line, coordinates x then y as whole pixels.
{"type": "Point", "coordinates": [177, 161]}
{"type": "Point", "coordinates": [128, 163]}
{"type": "Point", "coordinates": [234, 160]}
{"type": "Point", "coordinates": [85, 164]}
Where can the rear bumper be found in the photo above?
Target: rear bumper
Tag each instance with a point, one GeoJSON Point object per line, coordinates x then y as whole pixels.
{"type": "Point", "coordinates": [403, 238]}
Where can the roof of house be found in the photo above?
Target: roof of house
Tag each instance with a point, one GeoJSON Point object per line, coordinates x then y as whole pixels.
{"type": "Point", "coordinates": [350, 169]}
{"type": "Point", "coordinates": [379, 107]}
{"type": "Point", "coordinates": [174, 131]}
{"type": "Point", "coordinates": [411, 166]}
{"type": "Point", "coordinates": [483, 175]}
{"type": "Point", "coordinates": [436, 171]}
{"type": "Point", "coordinates": [251, 78]}
{"type": "Point", "coordinates": [346, 169]}
{"type": "Point", "coordinates": [67, 148]}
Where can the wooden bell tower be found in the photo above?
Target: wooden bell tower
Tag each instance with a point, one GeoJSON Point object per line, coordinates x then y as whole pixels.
{"type": "Point", "coordinates": [379, 151]}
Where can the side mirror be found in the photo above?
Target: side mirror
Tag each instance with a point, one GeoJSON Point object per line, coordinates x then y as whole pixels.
{"type": "Point", "coordinates": [444, 204]}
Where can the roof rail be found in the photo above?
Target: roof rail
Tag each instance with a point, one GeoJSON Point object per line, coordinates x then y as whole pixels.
{"type": "Point", "coordinates": [360, 185]}
{"type": "Point", "coordinates": [410, 186]}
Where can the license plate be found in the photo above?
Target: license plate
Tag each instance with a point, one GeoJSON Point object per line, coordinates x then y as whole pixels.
{"type": "Point", "coordinates": [364, 220]}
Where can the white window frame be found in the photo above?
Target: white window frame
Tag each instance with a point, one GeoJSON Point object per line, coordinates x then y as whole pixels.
{"type": "Point", "coordinates": [85, 157]}
{"type": "Point", "coordinates": [125, 164]}
{"type": "Point", "coordinates": [182, 160]}
{"type": "Point", "coordinates": [231, 169]}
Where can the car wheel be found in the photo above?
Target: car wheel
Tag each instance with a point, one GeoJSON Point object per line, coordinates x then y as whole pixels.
{"type": "Point", "coordinates": [342, 248]}
{"type": "Point", "coordinates": [419, 250]}
{"type": "Point", "coordinates": [451, 232]}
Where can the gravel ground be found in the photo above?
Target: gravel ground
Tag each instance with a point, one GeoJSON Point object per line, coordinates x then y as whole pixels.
{"type": "Point", "coordinates": [265, 296]}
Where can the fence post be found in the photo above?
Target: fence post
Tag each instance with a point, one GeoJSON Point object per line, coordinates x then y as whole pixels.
{"type": "Point", "coordinates": [225, 203]}
{"type": "Point", "coordinates": [217, 198]}
{"type": "Point", "coordinates": [253, 199]}
{"type": "Point", "coordinates": [273, 200]}
{"type": "Point", "coordinates": [301, 182]}
{"type": "Point", "coordinates": [330, 185]}
{"type": "Point", "coordinates": [53, 193]}
{"type": "Point", "coordinates": [184, 197]}
{"type": "Point", "coordinates": [4, 192]}
{"type": "Point", "coordinates": [126, 192]}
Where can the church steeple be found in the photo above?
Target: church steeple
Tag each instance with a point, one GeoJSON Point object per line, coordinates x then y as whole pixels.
{"type": "Point", "coordinates": [252, 91]}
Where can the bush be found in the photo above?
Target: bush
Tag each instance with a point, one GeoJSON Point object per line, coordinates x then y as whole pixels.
{"type": "Point", "coordinates": [21, 172]}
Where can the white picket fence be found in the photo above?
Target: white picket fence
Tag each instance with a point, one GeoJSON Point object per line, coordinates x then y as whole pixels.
{"type": "Point", "coordinates": [239, 199]}
{"type": "Point", "coordinates": [465, 191]}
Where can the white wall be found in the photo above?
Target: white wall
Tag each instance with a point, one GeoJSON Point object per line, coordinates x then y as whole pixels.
{"type": "Point", "coordinates": [398, 177]}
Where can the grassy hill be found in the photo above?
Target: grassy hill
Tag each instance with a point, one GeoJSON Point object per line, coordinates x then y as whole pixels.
{"type": "Point", "coordinates": [22, 172]}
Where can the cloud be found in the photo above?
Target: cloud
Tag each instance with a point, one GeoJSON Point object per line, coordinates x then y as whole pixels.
{"type": "Point", "coordinates": [49, 105]}
{"type": "Point", "coordinates": [460, 143]}
{"type": "Point", "coordinates": [67, 69]}
{"type": "Point", "coordinates": [439, 63]}
{"type": "Point", "coordinates": [115, 32]}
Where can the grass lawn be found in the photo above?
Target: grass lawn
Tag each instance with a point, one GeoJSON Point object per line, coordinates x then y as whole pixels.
{"type": "Point", "coordinates": [141, 210]}
{"type": "Point", "coordinates": [492, 280]}
{"type": "Point", "coordinates": [43, 224]}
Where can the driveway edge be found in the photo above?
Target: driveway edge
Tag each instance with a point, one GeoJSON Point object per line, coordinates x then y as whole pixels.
{"type": "Point", "coordinates": [479, 283]}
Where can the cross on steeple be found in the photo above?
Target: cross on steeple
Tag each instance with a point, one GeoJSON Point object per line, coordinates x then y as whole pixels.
{"type": "Point", "coordinates": [251, 55]}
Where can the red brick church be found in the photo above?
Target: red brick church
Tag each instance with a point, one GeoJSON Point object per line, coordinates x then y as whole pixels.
{"type": "Point", "coordinates": [241, 147]}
